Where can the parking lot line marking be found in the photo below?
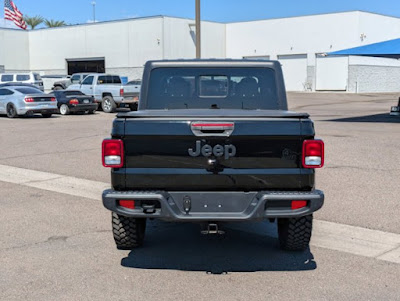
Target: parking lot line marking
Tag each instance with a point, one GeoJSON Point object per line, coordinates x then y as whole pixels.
{"type": "Point", "coordinates": [354, 240]}
{"type": "Point", "coordinates": [72, 186]}
{"type": "Point", "coordinates": [52, 182]}
{"type": "Point", "coordinates": [393, 256]}
{"type": "Point", "coordinates": [329, 235]}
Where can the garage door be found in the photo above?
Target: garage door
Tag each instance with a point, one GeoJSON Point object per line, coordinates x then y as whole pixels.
{"type": "Point", "coordinates": [294, 71]}
{"type": "Point", "coordinates": [332, 73]}
{"type": "Point", "coordinates": [87, 65]}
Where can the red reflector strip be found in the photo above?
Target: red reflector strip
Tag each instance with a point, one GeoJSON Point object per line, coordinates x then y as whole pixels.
{"type": "Point", "coordinates": [129, 204]}
{"type": "Point", "coordinates": [298, 204]}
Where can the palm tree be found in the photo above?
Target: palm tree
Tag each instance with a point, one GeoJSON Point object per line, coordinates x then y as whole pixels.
{"type": "Point", "coordinates": [53, 23]}
{"type": "Point", "coordinates": [33, 21]}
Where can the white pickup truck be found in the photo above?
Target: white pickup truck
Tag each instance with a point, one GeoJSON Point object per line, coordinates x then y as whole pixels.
{"type": "Point", "coordinates": [106, 89]}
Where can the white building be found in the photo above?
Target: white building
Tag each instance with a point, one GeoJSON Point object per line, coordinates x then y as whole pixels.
{"type": "Point", "coordinates": [124, 46]}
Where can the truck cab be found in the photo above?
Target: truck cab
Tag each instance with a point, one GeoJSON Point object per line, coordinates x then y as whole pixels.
{"type": "Point", "coordinates": [107, 89]}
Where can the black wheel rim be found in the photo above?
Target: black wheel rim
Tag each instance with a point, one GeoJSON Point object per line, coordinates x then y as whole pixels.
{"type": "Point", "coordinates": [11, 111]}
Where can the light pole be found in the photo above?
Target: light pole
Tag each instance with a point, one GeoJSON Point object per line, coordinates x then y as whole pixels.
{"type": "Point", "coordinates": [94, 11]}
{"type": "Point", "coordinates": [198, 30]}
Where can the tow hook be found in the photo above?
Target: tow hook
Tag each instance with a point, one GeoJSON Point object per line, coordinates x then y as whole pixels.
{"type": "Point", "coordinates": [211, 228]}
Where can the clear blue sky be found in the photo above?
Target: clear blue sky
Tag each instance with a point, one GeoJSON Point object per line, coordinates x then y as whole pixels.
{"type": "Point", "coordinates": [80, 11]}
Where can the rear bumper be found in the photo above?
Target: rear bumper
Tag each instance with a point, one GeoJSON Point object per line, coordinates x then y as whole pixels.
{"type": "Point", "coordinates": [37, 109]}
{"type": "Point", "coordinates": [131, 97]}
{"type": "Point", "coordinates": [213, 206]}
{"type": "Point", "coordinates": [129, 100]}
{"type": "Point", "coordinates": [83, 107]}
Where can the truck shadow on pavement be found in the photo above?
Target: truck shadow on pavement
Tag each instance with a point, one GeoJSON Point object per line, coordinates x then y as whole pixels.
{"type": "Point", "coordinates": [379, 118]}
{"type": "Point", "coordinates": [245, 247]}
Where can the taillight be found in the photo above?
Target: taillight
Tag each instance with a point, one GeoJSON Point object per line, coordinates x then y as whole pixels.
{"type": "Point", "coordinates": [313, 154]}
{"type": "Point", "coordinates": [53, 99]}
{"type": "Point", "coordinates": [121, 92]}
{"type": "Point", "coordinates": [29, 99]}
{"type": "Point", "coordinates": [113, 153]}
{"type": "Point", "coordinates": [73, 102]}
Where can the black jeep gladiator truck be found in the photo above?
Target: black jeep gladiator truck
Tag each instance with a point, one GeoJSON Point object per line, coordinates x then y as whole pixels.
{"type": "Point", "coordinates": [213, 141]}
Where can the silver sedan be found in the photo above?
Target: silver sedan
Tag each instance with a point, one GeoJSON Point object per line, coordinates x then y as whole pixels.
{"type": "Point", "coordinates": [16, 100]}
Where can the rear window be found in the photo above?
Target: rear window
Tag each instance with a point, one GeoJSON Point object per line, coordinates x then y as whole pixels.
{"type": "Point", "coordinates": [37, 76]}
{"type": "Point", "coordinates": [28, 90]}
{"type": "Point", "coordinates": [200, 88]}
{"type": "Point", "coordinates": [22, 77]}
{"type": "Point", "coordinates": [7, 78]}
{"type": "Point", "coordinates": [109, 79]}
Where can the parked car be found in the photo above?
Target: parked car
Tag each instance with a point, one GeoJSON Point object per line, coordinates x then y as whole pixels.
{"type": "Point", "coordinates": [107, 89]}
{"type": "Point", "coordinates": [132, 92]}
{"type": "Point", "coordinates": [212, 142]}
{"type": "Point", "coordinates": [76, 78]}
{"type": "Point", "coordinates": [20, 99]}
{"type": "Point", "coordinates": [27, 78]}
{"type": "Point", "coordinates": [70, 101]}
{"type": "Point", "coordinates": [50, 80]}
{"type": "Point", "coordinates": [18, 84]}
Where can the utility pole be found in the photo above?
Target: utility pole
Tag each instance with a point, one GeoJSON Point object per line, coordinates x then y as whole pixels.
{"type": "Point", "coordinates": [94, 11]}
{"type": "Point", "coordinates": [198, 30]}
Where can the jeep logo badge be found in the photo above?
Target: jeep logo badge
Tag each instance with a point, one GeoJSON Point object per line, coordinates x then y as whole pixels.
{"type": "Point", "coordinates": [207, 150]}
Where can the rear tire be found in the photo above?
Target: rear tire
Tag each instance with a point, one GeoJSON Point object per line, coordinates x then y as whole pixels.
{"type": "Point", "coordinates": [47, 115]}
{"type": "Point", "coordinates": [91, 112]}
{"type": "Point", "coordinates": [108, 104]}
{"type": "Point", "coordinates": [295, 233]}
{"type": "Point", "coordinates": [11, 111]}
{"type": "Point", "coordinates": [64, 110]}
{"type": "Point", "coordinates": [128, 232]}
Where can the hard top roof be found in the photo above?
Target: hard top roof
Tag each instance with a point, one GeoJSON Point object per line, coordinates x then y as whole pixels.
{"type": "Point", "coordinates": [213, 63]}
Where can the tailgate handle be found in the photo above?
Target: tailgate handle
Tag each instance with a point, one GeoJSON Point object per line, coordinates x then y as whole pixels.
{"type": "Point", "coordinates": [205, 128]}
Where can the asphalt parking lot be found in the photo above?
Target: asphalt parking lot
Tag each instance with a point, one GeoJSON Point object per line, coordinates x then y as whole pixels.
{"type": "Point", "coordinates": [56, 240]}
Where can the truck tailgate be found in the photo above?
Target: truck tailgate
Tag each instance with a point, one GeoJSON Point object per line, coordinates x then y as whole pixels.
{"type": "Point", "coordinates": [260, 154]}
